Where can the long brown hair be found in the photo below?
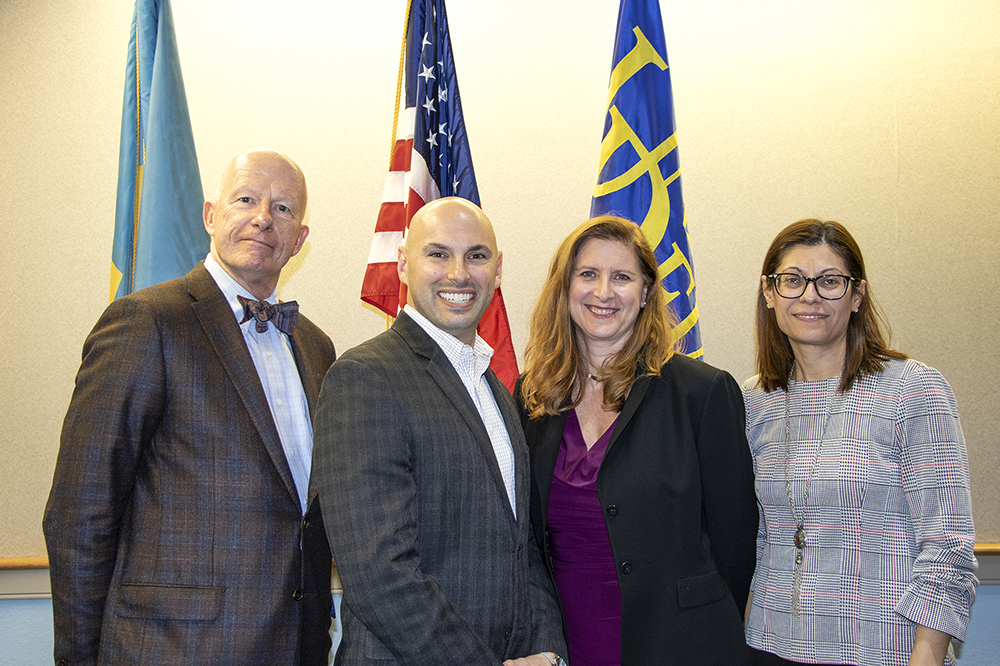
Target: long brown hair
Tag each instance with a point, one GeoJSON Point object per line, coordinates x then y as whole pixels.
{"type": "Point", "coordinates": [554, 371]}
{"type": "Point", "coordinates": [868, 331]}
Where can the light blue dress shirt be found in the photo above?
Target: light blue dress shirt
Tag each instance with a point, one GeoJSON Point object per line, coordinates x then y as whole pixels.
{"type": "Point", "coordinates": [272, 356]}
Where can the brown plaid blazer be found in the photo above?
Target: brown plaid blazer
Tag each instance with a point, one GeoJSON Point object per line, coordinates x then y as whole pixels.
{"type": "Point", "coordinates": [173, 527]}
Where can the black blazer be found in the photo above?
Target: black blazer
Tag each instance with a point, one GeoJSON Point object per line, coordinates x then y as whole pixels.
{"type": "Point", "coordinates": [677, 488]}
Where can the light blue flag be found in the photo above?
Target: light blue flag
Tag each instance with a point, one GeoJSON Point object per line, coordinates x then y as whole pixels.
{"type": "Point", "coordinates": [639, 176]}
{"type": "Point", "coordinates": [159, 234]}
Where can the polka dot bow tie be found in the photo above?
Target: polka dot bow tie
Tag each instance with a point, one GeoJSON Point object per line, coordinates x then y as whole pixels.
{"type": "Point", "coordinates": [283, 315]}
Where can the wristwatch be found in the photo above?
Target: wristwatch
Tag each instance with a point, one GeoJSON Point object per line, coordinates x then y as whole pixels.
{"type": "Point", "coordinates": [554, 659]}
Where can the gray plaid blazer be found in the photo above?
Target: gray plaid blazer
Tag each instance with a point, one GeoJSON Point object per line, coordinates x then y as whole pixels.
{"type": "Point", "coordinates": [173, 527]}
{"type": "Point", "coordinates": [435, 568]}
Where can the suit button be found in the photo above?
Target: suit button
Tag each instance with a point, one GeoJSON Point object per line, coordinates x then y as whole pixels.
{"type": "Point", "coordinates": [305, 523]}
{"type": "Point", "coordinates": [62, 662]}
{"type": "Point", "coordinates": [298, 594]}
{"type": "Point", "coordinates": [519, 552]}
{"type": "Point", "coordinates": [507, 635]}
{"type": "Point", "coordinates": [626, 567]}
{"type": "Point", "coordinates": [612, 509]}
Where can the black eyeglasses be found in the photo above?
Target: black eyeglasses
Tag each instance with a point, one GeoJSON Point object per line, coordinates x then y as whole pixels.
{"type": "Point", "coordinates": [829, 287]}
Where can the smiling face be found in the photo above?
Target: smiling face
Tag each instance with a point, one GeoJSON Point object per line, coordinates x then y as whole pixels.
{"type": "Point", "coordinates": [606, 292]}
{"type": "Point", "coordinates": [256, 219]}
{"type": "Point", "coordinates": [816, 328]}
{"type": "Point", "coordinates": [450, 265]}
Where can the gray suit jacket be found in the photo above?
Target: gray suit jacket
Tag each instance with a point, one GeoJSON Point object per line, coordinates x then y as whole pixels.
{"type": "Point", "coordinates": [173, 527]}
{"type": "Point", "coordinates": [435, 568]}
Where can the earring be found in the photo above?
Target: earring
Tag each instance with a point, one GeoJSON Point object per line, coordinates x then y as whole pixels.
{"type": "Point", "coordinates": [643, 304]}
{"type": "Point", "coordinates": [855, 311]}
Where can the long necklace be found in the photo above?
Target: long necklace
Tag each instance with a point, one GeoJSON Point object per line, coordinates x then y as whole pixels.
{"type": "Point", "coordinates": [800, 523]}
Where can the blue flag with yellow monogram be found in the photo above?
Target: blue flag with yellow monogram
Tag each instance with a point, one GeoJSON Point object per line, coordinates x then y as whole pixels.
{"type": "Point", "coordinates": [159, 234]}
{"type": "Point", "coordinates": [639, 176]}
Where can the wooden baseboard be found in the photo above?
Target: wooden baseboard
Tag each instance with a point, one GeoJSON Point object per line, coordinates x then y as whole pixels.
{"type": "Point", "coordinates": [21, 563]}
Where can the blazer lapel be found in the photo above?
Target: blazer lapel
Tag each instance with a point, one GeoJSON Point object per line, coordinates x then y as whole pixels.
{"type": "Point", "coordinates": [302, 364]}
{"type": "Point", "coordinates": [446, 377]}
{"type": "Point", "coordinates": [632, 403]}
{"type": "Point", "coordinates": [223, 333]}
{"type": "Point", "coordinates": [519, 448]}
{"type": "Point", "coordinates": [548, 432]}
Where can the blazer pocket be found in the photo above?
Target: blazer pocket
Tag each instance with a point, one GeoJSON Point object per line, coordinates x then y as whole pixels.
{"type": "Point", "coordinates": [701, 590]}
{"type": "Point", "coordinates": [192, 603]}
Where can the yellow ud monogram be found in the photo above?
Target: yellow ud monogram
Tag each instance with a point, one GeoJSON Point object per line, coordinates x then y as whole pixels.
{"type": "Point", "coordinates": [654, 225]}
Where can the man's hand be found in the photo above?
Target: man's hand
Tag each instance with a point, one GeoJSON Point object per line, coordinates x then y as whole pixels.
{"type": "Point", "coordinates": [534, 660]}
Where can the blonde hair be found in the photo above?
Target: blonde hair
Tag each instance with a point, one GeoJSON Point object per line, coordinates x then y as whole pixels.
{"type": "Point", "coordinates": [554, 371]}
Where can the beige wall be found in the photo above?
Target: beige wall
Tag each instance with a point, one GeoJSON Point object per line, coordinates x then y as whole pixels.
{"type": "Point", "coordinates": [881, 114]}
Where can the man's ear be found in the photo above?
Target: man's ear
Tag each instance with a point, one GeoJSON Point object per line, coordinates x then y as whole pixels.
{"type": "Point", "coordinates": [401, 263]}
{"type": "Point", "coordinates": [303, 232]}
{"type": "Point", "coordinates": [208, 217]}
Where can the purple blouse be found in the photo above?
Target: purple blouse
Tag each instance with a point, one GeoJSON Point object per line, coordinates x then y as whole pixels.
{"type": "Point", "coordinates": [582, 561]}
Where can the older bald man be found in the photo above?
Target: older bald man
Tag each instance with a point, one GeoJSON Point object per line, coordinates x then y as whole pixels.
{"type": "Point", "coordinates": [180, 527]}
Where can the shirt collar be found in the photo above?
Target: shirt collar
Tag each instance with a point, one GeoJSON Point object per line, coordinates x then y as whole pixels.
{"type": "Point", "coordinates": [457, 351]}
{"type": "Point", "coordinates": [231, 288]}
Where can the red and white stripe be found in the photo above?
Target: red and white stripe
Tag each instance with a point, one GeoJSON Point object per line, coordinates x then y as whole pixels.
{"type": "Point", "coordinates": [408, 186]}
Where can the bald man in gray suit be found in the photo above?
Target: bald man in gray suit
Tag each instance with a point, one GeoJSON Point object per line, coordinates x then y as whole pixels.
{"type": "Point", "coordinates": [422, 471]}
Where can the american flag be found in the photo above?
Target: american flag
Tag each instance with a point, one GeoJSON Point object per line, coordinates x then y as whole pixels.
{"type": "Point", "coordinates": [430, 159]}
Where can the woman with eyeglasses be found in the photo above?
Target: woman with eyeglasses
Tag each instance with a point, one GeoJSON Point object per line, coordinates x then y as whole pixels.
{"type": "Point", "coordinates": [865, 544]}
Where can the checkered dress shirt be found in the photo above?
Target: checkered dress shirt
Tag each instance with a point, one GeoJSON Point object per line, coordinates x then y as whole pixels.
{"type": "Point", "coordinates": [471, 364]}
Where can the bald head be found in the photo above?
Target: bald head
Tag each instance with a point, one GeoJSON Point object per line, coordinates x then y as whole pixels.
{"type": "Point", "coordinates": [263, 160]}
{"type": "Point", "coordinates": [449, 211]}
{"type": "Point", "coordinates": [450, 265]}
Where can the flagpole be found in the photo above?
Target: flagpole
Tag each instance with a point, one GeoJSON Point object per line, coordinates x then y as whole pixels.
{"type": "Point", "coordinates": [399, 81]}
{"type": "Point", "coordinates": [158, 230]}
